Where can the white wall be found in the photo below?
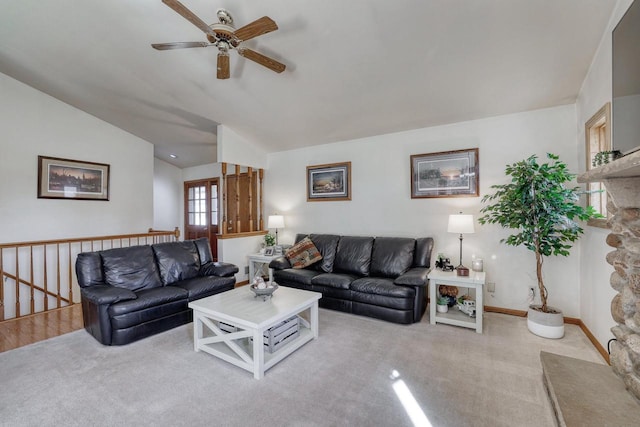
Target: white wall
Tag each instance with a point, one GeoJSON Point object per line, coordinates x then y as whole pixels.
{"type": "Point", "coordinates": [35, 124]}
{"type": "Point", "coordinates": [234, 149]}
{"type": "Point", "coordinates": [167, 196]}
{"type": "Point", "coordinates": [595, 291]}
{"type": "Point", "coordinates": [381, 203]}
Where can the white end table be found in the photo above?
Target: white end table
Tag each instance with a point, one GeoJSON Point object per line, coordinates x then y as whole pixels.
{"type": "Point", "coordinates": [257, 262]}
{"type": "Point", "coordinates": [475, 280]}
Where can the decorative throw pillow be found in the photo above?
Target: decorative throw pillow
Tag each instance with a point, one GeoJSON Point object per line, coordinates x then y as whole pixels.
{"type": "Point", "coordinates": [303, 254]}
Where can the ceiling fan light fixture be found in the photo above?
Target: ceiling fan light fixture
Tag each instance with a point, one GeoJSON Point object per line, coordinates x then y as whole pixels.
{"type": "Point", "coordinates": [224, 16]}
{"type": "Point", "coordinates": [225, 37]}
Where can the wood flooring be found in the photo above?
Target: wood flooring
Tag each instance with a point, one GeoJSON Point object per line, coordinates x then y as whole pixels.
{"type": "Point", "coordinates": [26, 330]}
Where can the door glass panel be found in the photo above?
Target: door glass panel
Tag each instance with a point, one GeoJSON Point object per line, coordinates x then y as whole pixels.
{"type": "Point", "coordinates": [196, 206]}
{"type": "Point", "coordinates": [214, 205]}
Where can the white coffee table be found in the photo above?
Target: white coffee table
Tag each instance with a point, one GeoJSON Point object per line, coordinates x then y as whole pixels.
{"type": "Point", "coordinates": [252, 316]}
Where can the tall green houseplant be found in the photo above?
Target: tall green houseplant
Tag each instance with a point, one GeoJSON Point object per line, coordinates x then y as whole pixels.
{"type": "Point", "coordinates": [537, 204]}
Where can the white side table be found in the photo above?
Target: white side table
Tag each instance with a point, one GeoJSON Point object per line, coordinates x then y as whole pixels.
{"type": "Point", "coordinates": [475, 280]}
{"type": "Point", "coordinates": [258, 262]}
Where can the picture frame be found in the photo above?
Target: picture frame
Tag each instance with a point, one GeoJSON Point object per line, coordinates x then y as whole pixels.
{"type": "Point", "coordinates": [445, 174]}
{"type": "Point", "coordinates": [329, 182]}
{"type": "Point", "coordinates": [72, 179]}
{"type": "Point", "coordinates": [269, 251]}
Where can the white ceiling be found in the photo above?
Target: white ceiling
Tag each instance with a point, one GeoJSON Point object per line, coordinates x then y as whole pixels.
{"type": "Point", "coordinates": [355, 68]}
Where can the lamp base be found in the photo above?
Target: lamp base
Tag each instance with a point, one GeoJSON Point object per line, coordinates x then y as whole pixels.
{"type": "Point", "coordinates": [462, 270]}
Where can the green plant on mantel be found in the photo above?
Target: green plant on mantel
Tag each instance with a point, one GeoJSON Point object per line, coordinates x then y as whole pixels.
{"type": "Point", "coordinates": [537, 204]}
{"type": "Point", "coordinates": [269, 239]}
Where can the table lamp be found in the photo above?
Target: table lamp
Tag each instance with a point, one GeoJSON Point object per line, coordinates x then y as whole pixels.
{"type": "Point", "coordinates": [275, 221]}
{"type": "Point", "coordinates": [462, 224]}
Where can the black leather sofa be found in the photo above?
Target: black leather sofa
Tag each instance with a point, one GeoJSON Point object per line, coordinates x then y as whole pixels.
{"type": "Point", "coordinates": [134, 292]}
{"type": "Point", "coordinates": [382, 277]}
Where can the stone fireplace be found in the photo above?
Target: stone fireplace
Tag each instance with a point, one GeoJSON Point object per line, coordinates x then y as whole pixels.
{"type": "Point", "coordinates": [622, 181]}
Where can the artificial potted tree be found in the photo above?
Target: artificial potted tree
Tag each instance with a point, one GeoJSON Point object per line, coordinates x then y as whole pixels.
{"type": "Point", "coordinates": [537, 204]}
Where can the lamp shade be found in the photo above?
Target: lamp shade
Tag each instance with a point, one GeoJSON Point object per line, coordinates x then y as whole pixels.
{"type": "Point", "coordinates": [275, 221]}
{"type": "Point", "coordinates": [460, 223]}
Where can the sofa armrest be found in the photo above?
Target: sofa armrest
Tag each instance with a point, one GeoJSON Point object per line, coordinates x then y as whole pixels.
{"type": "Point", "coordinates": [280, 263]}
{"type": "Point", "coordinates": [413, 277]}
{"type": "Point", "coordinates": [220, 269]}
{"type": "Point", "coordinates": [105, 294]}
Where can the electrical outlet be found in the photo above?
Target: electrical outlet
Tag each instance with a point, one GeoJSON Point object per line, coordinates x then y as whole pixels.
{"type": "Point", "coordinates": [246, 269]}
{"type": "Point", "coordinates": [491, 287]}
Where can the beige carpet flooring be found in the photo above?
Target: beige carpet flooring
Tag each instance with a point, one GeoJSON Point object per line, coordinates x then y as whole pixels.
{"type": "Point", "coordinates": [358, 373]}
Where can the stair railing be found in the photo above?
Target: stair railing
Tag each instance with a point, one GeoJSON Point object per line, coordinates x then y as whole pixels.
{"type": "Point", "coordinates": [39, 276]}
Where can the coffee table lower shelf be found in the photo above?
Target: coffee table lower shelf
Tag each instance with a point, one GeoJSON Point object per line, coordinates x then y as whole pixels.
{"type": "Point", "coordinates": [223, 351]}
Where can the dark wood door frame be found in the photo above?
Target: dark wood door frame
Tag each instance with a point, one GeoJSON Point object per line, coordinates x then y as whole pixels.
{"type": "Point", "coordinates": [201, 217]}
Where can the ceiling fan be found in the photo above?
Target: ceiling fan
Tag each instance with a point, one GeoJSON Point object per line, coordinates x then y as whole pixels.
{"type": "Point", "coordinates": [225, 37]}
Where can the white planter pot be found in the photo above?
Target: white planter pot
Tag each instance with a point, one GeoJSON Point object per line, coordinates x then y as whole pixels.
{"type": "Point", "coordinates": [442, 308]}
{"type": "Point", "coordinates": [546, 325]}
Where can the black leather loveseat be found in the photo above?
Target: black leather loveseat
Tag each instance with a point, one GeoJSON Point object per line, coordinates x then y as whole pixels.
{"type": "Point", "coordinates": [132, 293]}
{"type": "Point", "coordinates": [382, 277]}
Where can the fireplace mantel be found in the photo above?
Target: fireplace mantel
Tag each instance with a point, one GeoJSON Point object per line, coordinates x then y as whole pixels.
{"type": "Point", "coordinates": [621, 177]}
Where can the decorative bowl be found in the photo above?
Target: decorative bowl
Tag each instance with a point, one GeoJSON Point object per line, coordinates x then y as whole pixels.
{"type": "Point", "coordinates": [265, 293]}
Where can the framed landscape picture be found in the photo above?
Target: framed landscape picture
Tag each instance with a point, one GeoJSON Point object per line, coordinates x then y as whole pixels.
{"type": "Point", "coordinates": [72, 179]}
{"type": "Point", "coordinates": [445, 174]}
{"type": "Point", "coordinates": [329, 182]}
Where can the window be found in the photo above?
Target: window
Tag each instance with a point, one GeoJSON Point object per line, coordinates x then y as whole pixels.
{"type": "Point", "coordinates": [197, 206]}
{"type": "Point", "coordinates": [598, 138]}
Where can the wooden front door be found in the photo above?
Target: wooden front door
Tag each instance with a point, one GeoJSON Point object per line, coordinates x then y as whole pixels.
{"type": "Point", "coordinates": [201, 211]}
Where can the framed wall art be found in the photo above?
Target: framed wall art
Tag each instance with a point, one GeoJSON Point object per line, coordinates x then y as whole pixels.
{"type": "Point", "coordinates": [445, 174]}
{"type": "Point", "coordinates": [329, 182]}
{"type": "Point", "coordinates": [72, 179]}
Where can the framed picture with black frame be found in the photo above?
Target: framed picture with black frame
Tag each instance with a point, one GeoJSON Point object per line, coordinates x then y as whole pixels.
{"type": "Point", "coordinates": [329, 182]}
{"type": "Point", "coordinates": [445, 174]}
{"type": "Point", "coordinates": [72, 179]}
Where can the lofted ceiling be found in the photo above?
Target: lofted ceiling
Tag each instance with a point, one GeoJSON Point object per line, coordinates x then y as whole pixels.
{"type": "Point", "coordinates": [355, 68]}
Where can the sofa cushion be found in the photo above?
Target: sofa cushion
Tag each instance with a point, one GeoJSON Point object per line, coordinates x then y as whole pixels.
{"type": "Point", "coordinates": [303, 254]}
{"type": "Point", "coordinates": [383, 287]}
{"type": "Point", "coordinates": [392, 256]}
{"type": "Point", "coordinates": [422, 256]}
{"type": "Point", "coordinates": [132, 268]}
{"type": "Point", "coordinates": [333, 280]}
{"type": "Point", "coordinates": [201, 287]}
{"type": "Point", "coordinates": [353, 255]}
{"type": "Point", "coordinates": [327, 244]}
{"type": "Point", "coordinates": [295, 275]}
{"type": "Point", "coordinates": [177, 260]}
{"type": "Point", "coordinates": [413, 277]}
{"type": "Point", "coordinates": [149, 298]}
{"type": "Point", "coordinates": [89, 269]}
{"type": "Point", "coordinates": [204, 250]}
{"type": "Point", "coordinates": [151, 305]}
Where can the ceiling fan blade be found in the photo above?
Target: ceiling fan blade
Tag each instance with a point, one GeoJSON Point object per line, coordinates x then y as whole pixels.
{"type": "Point", "coordinates": [257, 28]}
{"type": "Point", "coordinates": [188, 15]}
{"type": "Point", "coordinates": [223, 66]}
{"type": "Point", "coordinates": [179, 45]}
{"type": "Point", "coordinates": [265, 61]}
